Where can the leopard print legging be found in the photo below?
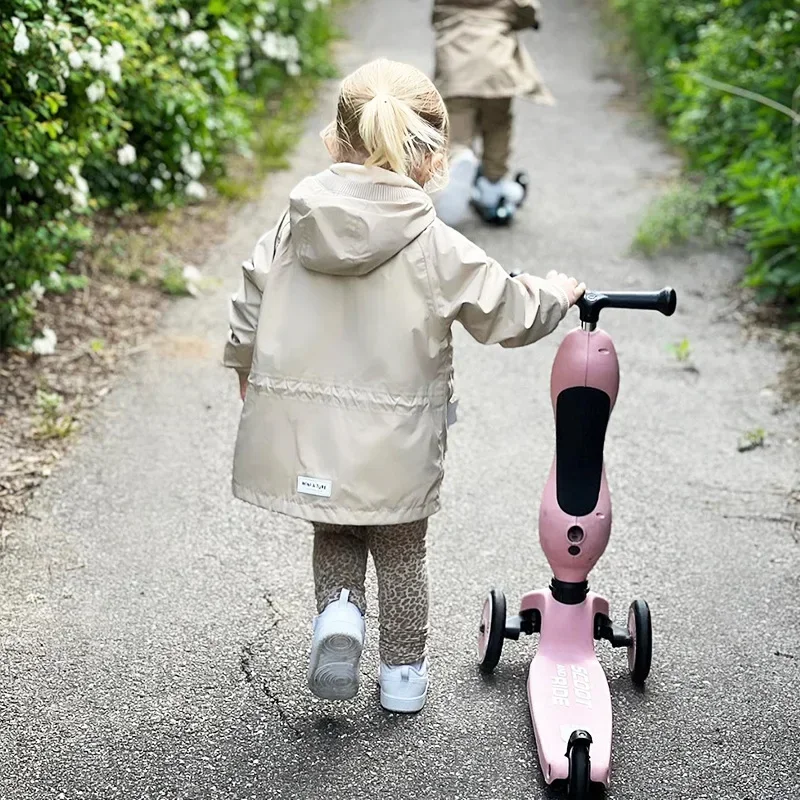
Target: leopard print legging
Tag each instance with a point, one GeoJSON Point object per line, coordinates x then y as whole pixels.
{"type": "Point", "coordinates": [340, 562]}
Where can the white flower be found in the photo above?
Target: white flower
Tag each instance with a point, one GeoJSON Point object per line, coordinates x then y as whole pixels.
{"type": "Point", "coordinates": [26, 169]}
{"type": "Point", "coordinates": [126, 155]}
{"type": "Point", "coordinates": [66, 43]}
{"type": "Point", "coordinates": [293, 69]}
{"type": "Point", "coordinates": [33, 80]}
{"type": "Point", "coordinates": [95, 91]}
{"type": "Point", "coordinates": [157, 184]}
{"type": "Point", "coordinates": [192, 164]}
{"type": "Point", "coordinates": [37, 290]}
{"type": "Point", "coordinates": [247, 74]}
{"type": "Point", "coordinates": [94, 60]}
{"type": "Point", "coordinates": [114, 72]}
{"type": "Point", "coordinates": [80, 200]}
{"type": "Point", "coordinates": [75, 59]}
{"type": "Point", "coordinates": [184, 64]}
{"type": "Point", "coordinates": [192, 277]}
{"type": "Point", "coordinates": [79, 193]}
{"type": "Point", "coordinates": [191, 273]}
{"type": "Point", "coordinates": [45, 345]}
{"type": "Point", "coordinates": [163, 171]}
{"type": "Point", "coordinates": [21, 41]}
{"type": "Point", "coordinates": [158, 21]}
{"type": "Point", "coordinates": [227, 30]}
{"type": "Point", "coordinates": [90, 18]}
{"type": "Point", "coordinates": [310, 5]}
{"type": "Point", "coordinates": [259, 21]}
{"type": "Point", "coordinates": [257, 35]}
{"type": "Point", "coordinates": [196, 191]}
{"type": "Point", "coordinates": [244, 60]}
{"type": "Point", "coordinates": [94, 44]}
{"type": "Point", "coordinates": [182, 18]}
{"type": "Point", "coordinates": [115, 52]}
{"type": "Point", "coordinates": [269, 46]}
{"type": "Point", "coordinates": [54, 280]}
{"type": "Point", "coordinates": [196, 40]}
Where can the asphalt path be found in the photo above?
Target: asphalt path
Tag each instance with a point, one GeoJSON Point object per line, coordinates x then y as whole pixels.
{"type": "Point", "coordinates": [154, 632]}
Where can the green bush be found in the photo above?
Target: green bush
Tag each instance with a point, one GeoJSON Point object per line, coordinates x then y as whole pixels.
{"type": "Point", "coordinates": [701, 57]}
{"type": "Point", "coordinates": [108, 105]}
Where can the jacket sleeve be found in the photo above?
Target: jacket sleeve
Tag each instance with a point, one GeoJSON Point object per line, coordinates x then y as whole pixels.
{"type": "Point", "coordinates": [526, 14]}
{"type": "Point", "coordinates": [475, 290]}
{"type": "Point", "coordinates": [245, 305]}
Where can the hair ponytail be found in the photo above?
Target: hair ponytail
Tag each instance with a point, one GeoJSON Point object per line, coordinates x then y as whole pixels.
{"type": "Point", "coordinates": [385, 129]}
{"type": "Point", "coordinates": [389, 115]}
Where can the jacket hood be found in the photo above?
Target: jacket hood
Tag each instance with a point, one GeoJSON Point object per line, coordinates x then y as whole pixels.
{"type": "Point", "coordinates": [350, 219]}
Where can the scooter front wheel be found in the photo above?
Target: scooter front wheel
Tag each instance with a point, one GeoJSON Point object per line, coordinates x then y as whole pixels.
{"type": "Point", "coordinates": [579, 782]}
{"type": "Point", "coordinates": [640, 650]}
{"type": "Point", "coordinates": [492, 630]}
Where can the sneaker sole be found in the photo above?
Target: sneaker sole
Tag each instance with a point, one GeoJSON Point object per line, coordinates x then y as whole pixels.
{"type": "Point", "coordinates": [403, 705]}
{"type": "Point", "coordinates": [333, 673]}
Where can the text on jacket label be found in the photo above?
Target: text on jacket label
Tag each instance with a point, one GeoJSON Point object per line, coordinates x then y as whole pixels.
{"type": "Point", "coordinates": [316, 486]}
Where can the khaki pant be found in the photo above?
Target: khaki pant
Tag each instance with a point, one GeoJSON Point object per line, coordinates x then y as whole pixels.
{"type": "Point", "coordinates": [489, 118]}
{"type": "Point", "coordinates": [340, 562]}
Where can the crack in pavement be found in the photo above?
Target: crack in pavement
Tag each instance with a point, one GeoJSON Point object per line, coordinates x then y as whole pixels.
{"type": "Point", "coordinates": [247, 666]}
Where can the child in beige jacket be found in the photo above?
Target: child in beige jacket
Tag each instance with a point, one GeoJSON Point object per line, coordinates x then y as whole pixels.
{"type": "Point", "coordinates": [480, 67]}
{"type": "Point", "coordinates": [340, 333]}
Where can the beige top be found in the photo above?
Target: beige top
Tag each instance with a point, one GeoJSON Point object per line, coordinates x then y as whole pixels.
{"type": "Point", "coordinates": [343, 322]}
{"type": "Point", "coordinates": [478, 53]}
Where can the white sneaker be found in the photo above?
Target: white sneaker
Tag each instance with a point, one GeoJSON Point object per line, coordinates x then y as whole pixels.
{"type": "Point", "coordinates": [452, 203]}
{"type": "Point", "coordinates": [404, 688]}
{"type": "Point", "coordinates": [513, 192]}
{"type": "Point", "coordinates": [487, 193]}
{"type": "Point", "coordinates": [336, 650]}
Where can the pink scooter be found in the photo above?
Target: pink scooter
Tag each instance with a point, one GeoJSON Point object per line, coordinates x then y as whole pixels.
{"type": "Point", "coordinates": [568, 693]}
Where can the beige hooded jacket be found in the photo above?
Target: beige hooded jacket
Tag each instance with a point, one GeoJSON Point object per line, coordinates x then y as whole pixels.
{"type": "Point", "coordinates": [478, 53]}
{"type": "Point", "coordinates": [342, 321]}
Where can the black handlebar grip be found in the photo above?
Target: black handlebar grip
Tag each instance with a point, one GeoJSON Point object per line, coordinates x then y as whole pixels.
{"type": "Point", "coordinates": [592, 303]}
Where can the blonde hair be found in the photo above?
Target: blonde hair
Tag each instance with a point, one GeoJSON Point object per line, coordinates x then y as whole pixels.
{"type": "Point", "coordinates": [390, 115]}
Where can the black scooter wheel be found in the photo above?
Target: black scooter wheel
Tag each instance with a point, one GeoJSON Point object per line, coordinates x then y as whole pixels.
{"type": "Point", "coordinates": [579, 782]}
{"type": "Point", "coordinates": [640, 650]}
{"type": "Point", "coordinates": [492, 630]}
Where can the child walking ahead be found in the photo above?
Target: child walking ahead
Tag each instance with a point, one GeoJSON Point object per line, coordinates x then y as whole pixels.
{"type": "Point", "coordinates": [480, 67]}
{"type": "Point", "coordinates": [340, 333]}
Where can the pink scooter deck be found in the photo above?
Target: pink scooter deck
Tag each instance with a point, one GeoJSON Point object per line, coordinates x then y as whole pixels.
{"type": "Point", "coordinates": [567, 688]}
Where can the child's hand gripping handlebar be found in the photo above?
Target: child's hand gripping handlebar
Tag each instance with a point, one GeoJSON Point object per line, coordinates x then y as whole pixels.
{"type": "Point", "coordinates": [592, 303]}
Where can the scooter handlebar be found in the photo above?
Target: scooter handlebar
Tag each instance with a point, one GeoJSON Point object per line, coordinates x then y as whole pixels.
{"type": "Point", "coordinates": [592, 303]}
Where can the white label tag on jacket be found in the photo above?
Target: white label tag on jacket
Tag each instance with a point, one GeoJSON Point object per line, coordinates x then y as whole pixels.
{"type": "Point", "coordinates": [317, 486]}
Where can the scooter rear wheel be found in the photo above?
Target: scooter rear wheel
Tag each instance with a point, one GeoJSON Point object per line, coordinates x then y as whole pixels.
{"type": "Point", "coordinates": [640, 650]}
{"type": "Point", "coordinates": [579, 782]}
{"type": "Point", "coordinates": [492, 630]}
